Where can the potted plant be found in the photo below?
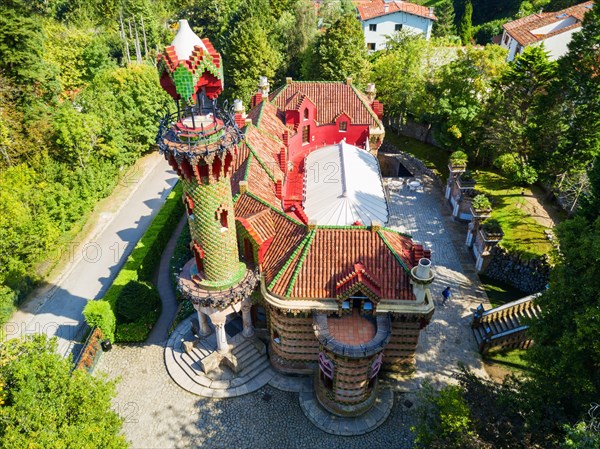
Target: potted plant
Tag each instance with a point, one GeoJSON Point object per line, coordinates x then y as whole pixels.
{"type": "Point", "coordinates": [466, 179]}
{"type": "Point", "coordinates": [491, 229]}
{"type": "Point", "coordinates": [481, 206]}
{"type": "Point", "coordinates": [458, 161]}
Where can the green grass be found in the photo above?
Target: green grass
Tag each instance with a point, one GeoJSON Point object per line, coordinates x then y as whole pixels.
{"type": "Point", "coordinates": [433, 157]}
{"type": "Point", "coordinates": [522, 233]}
{"type": "Point", "coordinates": [512, 359]}
{"type": "Point", "coordinates": [499, 292]}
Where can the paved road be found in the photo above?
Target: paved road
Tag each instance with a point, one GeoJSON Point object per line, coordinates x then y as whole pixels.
{"type": "Point", "coordinates": [95, 263]}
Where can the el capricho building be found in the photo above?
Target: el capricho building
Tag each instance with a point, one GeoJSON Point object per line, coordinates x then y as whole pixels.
{"type": "Point", "coordinates": [288, 201]}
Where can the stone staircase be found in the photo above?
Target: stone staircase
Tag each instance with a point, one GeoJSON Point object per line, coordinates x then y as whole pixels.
{"type": "Point", "coordinates": [504, 326]}
{"type": "Point", "coordinates": [250, 355]}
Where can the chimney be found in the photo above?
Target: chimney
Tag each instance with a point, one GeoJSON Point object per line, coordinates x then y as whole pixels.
{"type": "Point", "coordinates": [263, 86]}
{"type": "Point", "coordinates": [256, 99]}
{"type": "Point", "coordinates": [431, 11]}
{"type": "Point", "coordinates": [386, 8]}
{"type": "Point", "coordinates": [282, 159]}
{"type": "Point", "coordinates": [349, 81]}
{"type": "Point", "coordinates": [243, 187]}
{"type": "Point", "coordinates": [312, 225]}
{"type": "Point", "coordinates": [375, 226]}
{"type": "Point", "coordinates": [371, 91]}
{"type": "Point", "coordinates": [239, 115]}
{"type": "Point", "coordinates": [288, 80]}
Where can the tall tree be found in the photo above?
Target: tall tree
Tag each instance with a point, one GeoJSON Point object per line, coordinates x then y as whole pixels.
{"type": "Point", "coordinates": [43, 405]}
{"type": "Point", "coordinates": [580, 83]}
{"type": "Point", "coordinates": [339, 53]}
{"type": "Point", "coordinates": [465, 27]}
{"type": "Point", "coordinates": [513, 109]}
{"type": "Point", "coordinates": [444, 25]}
{"type": "Point", "coordinates": [402, 74]}
{"type": "Point", "coordinates": [249, 56]}
{"type": "Point", "coordinates": [461, 89]}
{"type": "Point", "coordinates": [566, 354]}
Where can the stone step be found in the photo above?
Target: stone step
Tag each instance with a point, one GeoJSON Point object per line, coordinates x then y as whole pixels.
{"type": "Point", "coordinates": [251, 363]}
{"type": "Point", "coordinates": [241, 347]}
{"type": "Point", "coordinates": [249, 353]}
{"type": "Point", "coordinates": [255, 370]}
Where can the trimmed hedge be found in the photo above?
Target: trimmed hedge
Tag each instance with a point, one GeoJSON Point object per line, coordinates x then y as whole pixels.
{"type": "Point", "coordinates": [100, 314]}
{"type": "Point", "coordinates": [145, 257]}
{"type": "Point", "coordinates": [138, 270]}
{"type": "Point", "coordinates": [136, 300]}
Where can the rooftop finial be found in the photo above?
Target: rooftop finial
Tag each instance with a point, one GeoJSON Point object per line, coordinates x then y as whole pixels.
{"type": "Point", "coordinates": [185, 40]}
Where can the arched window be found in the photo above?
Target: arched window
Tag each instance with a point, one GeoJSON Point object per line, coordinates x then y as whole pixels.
{"type": "Point", "coordinates": [375, 367]}
{"type": "Point", "coordinates": [326, 371]}
{"type": "Point", "coordinates": [305, 113]}
{"type": "Point", "coordinates": [223, 219]}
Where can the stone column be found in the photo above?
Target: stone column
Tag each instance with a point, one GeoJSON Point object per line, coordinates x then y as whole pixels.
{"type": "Point", "coordinates": [219, 324]}
{"type": "Point", "coordinates": [204, 328]}
{"type": "Point", "coordinates": [247, 318]}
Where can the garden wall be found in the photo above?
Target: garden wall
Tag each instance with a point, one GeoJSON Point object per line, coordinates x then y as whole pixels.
{"type": "Point", "coordinates": [530, 276]}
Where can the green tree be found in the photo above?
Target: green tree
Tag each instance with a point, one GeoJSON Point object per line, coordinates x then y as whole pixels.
{"type": "Point", "coordinates": [339, 53]}
{"type": "Point", "coordinates": [566, 354]}
{"type": "Point", "coordinates": [444, 25]}
{"type": "Point", "coordinates": [444, 419]}
{"type": "Point", "coordinates": [465, 27]}
{"type": "Point", "coordinates": [249, 56]}
{"type": "Point", "coordinates": [402, 74]}
{"type": "Point", "coordinates": [511, 122]}
{"type": "Point", "coordinates": [461, 90]}
{"type": "Point", "coordinates": [580, 85]}
{"type": "Point", "coordinates": [43, 405]}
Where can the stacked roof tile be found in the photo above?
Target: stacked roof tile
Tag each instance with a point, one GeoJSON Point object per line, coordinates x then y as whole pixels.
{"type": "Point", "coordinates": [377, 8]}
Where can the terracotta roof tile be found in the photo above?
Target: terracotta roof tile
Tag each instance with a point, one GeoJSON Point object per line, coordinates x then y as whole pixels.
{"type": "Point", "coordinates": [289, 233]}
{"type": "Point", "coordinates": [265, 115]}
{"type": "Point", "coordinates": [262, 224]}
{"type": "Point", "coordinates": [522, 29]}
{"type": "Point", "coordinates": [333, 253]}
{"type": "Point", "coordinates": [239, 168]}
{"type": "Point", "coordinates": [330, 99]}
{"type": "Point", "coordinates": [266, 149]}
{"type": "Point", "coordinates": [376, 8]}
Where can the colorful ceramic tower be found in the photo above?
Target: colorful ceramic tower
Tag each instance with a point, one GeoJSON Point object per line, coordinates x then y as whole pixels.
{"type": "Point", "coordinates": [200, 142]}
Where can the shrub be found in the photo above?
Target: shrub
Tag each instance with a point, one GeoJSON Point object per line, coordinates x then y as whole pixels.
{"type": "Point", "coordinates": [467, 176]}
{"type": "Point", "coordinates": [515, 169]}
{"type": "Point", "coordinates": [458, 158]}
{"type": "Point", "coordinates": [138, 330]}
{"type": "Point", "coordinates": [99, 313]}
{"type": "Point", "coordinates": [444, 419]}
{"type": "Point", "coordinates": [481, 202]}
{"type": "Point", "coordinates": [492, 226]}
{"type": "Point", "coordinates": [145, 257]}
{"type": "Point", "coordinates": [136, 300]}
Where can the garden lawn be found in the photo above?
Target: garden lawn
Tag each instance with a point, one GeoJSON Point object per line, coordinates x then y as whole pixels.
{"type": "Point", "coordinates": [433, 157]}
{"type": "Point", "coordinates": [522, 233]}
{"type": "Point", "coordinates": [512, 359]}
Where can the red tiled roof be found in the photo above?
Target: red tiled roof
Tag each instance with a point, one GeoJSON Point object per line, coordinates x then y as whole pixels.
{"type": "Point", "coordinates": [266, 149]}
{"type": "Point", "coordinates": [265, 116]}
{"type": "Point", "coordinates": [332, 254]}
{"type": "Point", "coordinates": [376, 8]}
{"type": "Point", "coordinates": [259, 225]}
{"type": "Point", "coordinates": [330, 99]}
{"type": "Point", "coordinates": [239, 168]}
{"type": "Point", "coordinates": [521, 29]}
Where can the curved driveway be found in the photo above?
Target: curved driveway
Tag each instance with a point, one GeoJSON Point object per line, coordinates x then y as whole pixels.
{"type": "Point", "coordinates": [95, 263]}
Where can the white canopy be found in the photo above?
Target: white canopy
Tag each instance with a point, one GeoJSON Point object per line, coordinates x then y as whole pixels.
{"type": "Point", "coordinates": [343, 185]}
{"type": "Point", "coordinates": [185, 40]}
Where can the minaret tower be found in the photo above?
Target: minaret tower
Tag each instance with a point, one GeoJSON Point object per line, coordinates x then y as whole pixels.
{"type": "Point", "coordinates": [200, 141]}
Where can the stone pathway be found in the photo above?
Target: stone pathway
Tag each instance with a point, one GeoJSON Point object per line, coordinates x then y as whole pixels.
{"type": "Point", "coordinates": [448, 340]}
{"type": "Point", "coordinates": [160, 331]}
{"type": "Point", "coordinates": [159, 414]}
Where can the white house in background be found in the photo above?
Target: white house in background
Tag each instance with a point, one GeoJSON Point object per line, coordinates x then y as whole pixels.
{"type": "Point", "coordinates": [553, 29]}
{"type": "Point", "coordinates": [382, 18]}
